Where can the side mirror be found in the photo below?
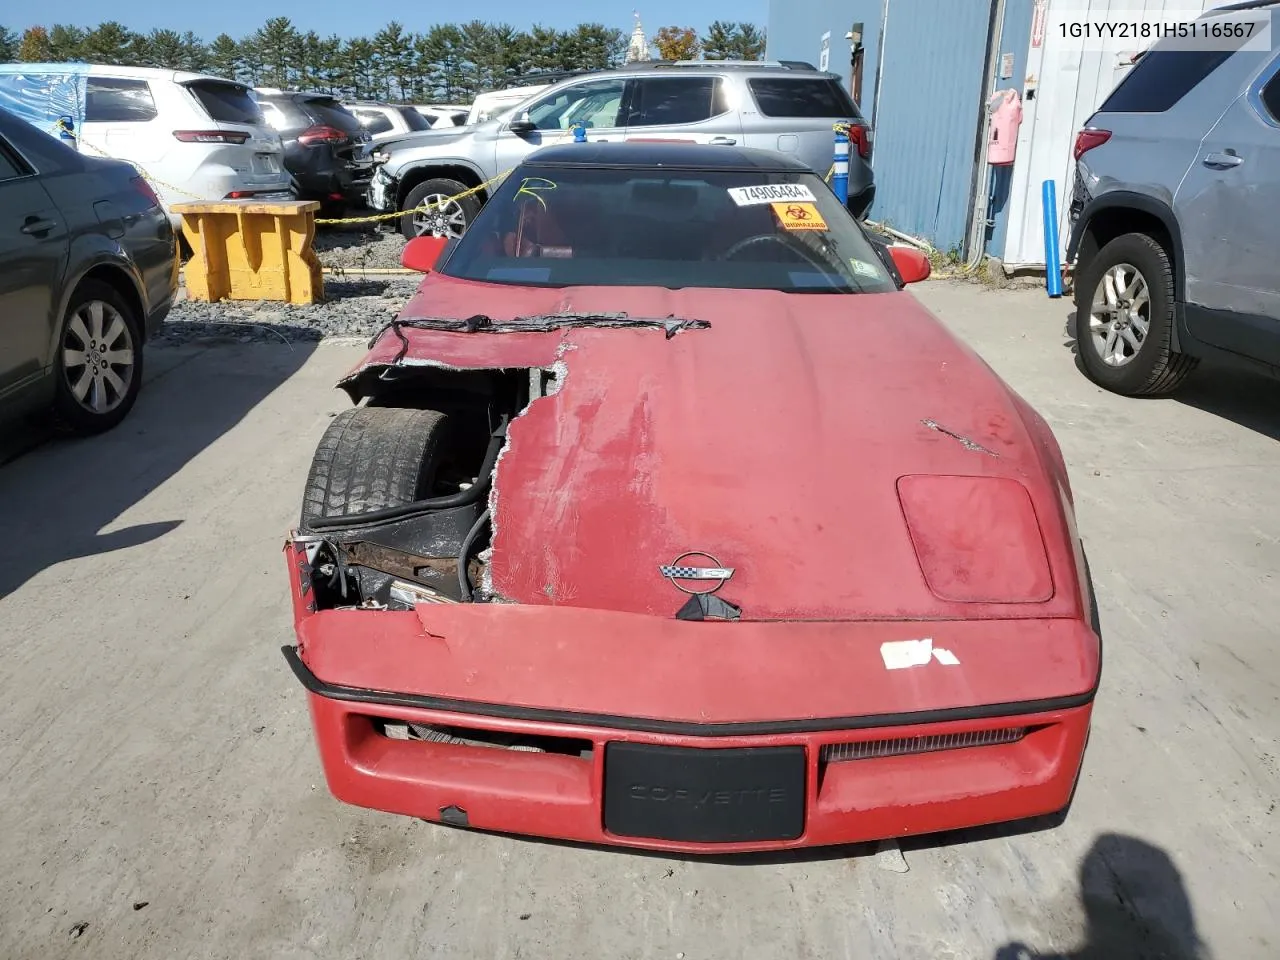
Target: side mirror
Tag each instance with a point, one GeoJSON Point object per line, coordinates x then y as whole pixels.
{"type": "Point", "coordinates": [421, 253]}
{"type": "Point", "coordinates": [912, 264]}
{"type": "Point", "coordinates": [522, 124]}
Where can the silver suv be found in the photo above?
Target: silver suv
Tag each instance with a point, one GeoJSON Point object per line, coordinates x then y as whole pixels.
{"type": "Point", "coordinates": [786, 107]}
{"type": "Point", "coordinates": [1176, 216]}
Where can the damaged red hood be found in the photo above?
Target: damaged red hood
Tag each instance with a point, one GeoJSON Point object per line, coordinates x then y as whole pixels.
{"type": "Point", "coordinates": [773, 441]}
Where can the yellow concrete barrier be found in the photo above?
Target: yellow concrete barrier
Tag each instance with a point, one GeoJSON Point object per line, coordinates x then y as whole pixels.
{"type": "Point", "coordinates": [243, 250]}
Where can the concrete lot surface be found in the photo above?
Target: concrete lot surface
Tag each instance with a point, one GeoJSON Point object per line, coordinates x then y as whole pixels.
{"type": "Point", "coordinates": [161, 796]}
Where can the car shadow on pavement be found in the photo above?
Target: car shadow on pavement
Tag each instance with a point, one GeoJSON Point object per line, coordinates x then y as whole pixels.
{"type": "Point", "coordinates": [58, 495]}
{"type": "Point", "coordinates": [1234, 393]}
{"type": "Point", "coordinates": [1249, 399]}
{"type": "Point", "coordinates": [1135, 906]}
{"type": "Point", "coordinates": [867, 850]}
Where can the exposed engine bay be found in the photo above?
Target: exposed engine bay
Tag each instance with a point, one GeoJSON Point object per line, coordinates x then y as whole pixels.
{"type": "Point", "coordinates": [432, 549]}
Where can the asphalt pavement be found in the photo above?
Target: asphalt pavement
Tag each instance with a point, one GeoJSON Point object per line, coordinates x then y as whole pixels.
{"type": "Point", "coordinates": [162, 798]}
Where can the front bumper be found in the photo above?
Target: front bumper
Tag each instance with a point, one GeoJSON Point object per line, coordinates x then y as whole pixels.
{"type": "Point", "coordinates": [562, 796]}
{"type": "Point", "coordinates": [591, 680]}
{"type": "Point", "coordinates": [380, 194]}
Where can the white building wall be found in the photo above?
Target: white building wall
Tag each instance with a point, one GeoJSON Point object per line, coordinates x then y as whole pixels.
{"type": "Point", "coordinates": [1070, 83]}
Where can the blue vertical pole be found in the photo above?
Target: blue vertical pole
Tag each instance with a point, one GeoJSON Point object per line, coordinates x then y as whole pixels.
{"type": "Point", "coordinates": [840, 166]}
{"type": "Point", "coordinates": [1052, 258]}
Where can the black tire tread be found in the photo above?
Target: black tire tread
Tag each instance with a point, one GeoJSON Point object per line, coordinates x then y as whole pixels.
{"type": "Point", "coordinates": [371, 458]}
{"type": "Point", "coordinates": [1170, 368]}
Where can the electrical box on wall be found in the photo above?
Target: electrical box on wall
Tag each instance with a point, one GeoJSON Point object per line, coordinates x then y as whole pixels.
{"type": "Point", "coordinates": [1006, 118]}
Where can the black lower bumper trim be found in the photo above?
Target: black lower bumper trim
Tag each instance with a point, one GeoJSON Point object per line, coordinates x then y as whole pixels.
{"type": "Point", "coordinates": [700, 795]}
{"type": "Point", "coordinates": [738, 728]}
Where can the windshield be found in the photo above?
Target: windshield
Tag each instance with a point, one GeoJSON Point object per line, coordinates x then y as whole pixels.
{"type": "Point", "coordinates": [329, 111]}
{"type": "Point", "coordinates": [226, 102]}
{"type": "Point", "coordinates": [413, 119]}
{"type": "Point", "coordinates": [648, 227]}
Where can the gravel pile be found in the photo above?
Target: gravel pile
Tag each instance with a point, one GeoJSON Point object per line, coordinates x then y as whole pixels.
{"type": "Point", "coordinates": [355, 248]}
{"type": "Point", "coordinates": [354, 307]}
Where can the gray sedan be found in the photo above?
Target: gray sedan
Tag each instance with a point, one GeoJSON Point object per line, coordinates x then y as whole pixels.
{"type": "Point", "coordinates": [88, 270]}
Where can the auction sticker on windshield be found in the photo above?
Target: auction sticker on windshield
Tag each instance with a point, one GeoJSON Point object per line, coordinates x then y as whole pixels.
{"type": "Point", "coordinates": [799, 216]}
{"type": "Point", "coordinates": [771, 193]}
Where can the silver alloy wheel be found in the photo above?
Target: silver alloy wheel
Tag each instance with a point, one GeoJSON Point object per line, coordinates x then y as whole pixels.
{"type": "Point", "coordinates": [1120, 315]}
{"type": "Point", "coordinates": [98, 357]}
{"type": "Point", "coordinates": [443, 218]}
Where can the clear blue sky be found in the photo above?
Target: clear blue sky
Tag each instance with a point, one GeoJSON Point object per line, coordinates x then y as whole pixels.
{"type": "Point", "coordinates": [238, 17]}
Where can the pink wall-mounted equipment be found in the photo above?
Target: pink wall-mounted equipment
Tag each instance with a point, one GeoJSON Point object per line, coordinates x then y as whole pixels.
{"type": "Point", "coordinates": [1006, 117]}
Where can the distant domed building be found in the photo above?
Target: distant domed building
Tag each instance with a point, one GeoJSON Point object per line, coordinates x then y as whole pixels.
{"type": "Point", "coordinates": [638, 48]}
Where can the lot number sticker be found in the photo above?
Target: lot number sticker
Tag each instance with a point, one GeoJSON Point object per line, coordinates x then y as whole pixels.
{"type": "Point", "coordinates": [770, 193]}
{"type": "Point", "coordinates": [799, 216]}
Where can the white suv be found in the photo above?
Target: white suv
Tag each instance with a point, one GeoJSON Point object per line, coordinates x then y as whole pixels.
{"type": "Point", "coordinates": [385, 120]}
{"type": "Point", "coordinates": [194, 137]}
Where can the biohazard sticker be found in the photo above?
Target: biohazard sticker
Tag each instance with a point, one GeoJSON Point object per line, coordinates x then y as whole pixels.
{"type": "Point", "coordinates": [799, 216]}
{"type": "Point", "coordinates": [770, 193]}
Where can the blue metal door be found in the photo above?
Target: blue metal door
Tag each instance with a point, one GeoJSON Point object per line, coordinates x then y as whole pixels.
{"type": "Point", "coordinates": [928, 116]}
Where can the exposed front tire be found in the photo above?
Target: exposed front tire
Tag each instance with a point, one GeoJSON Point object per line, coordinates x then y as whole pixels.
{"type": "Point", "coordinates": [98, 365]}
{"type": "Point", "coordinates": [445, 217]}
{"type": "Point", "coordinates": [1124, 319]}
{"type": "Point", "coordinates": [374, 457]}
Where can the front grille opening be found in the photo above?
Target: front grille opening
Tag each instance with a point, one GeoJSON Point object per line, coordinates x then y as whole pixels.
{"type": "Point", "coordinates": [901, 746]}
{"type": "Point", "coordinates": [496, 739]}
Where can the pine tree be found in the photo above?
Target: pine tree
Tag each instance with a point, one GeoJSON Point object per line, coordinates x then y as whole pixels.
{"type": "Point", "coordinates": [545, 49]}
{"type": "Point", "coordinates": [479, 57]}
{"type": "Point", "coordinates": [593, 46]}
{"type": "Point", "coordinates": [194, 55]}
{"type": "Point", "coordinates": [279, 46]}
{"type": "Point", "coordinates": [224, 57]}
{"type": "Point", "coordinates": [733, 41]}
{"type": "Point", "coordinates": [311, 62]}
{"type": "Point", "coordinates": [749, 42]}
{"type": "Point", "coordinates": [112, 43]}
{"type": "Point", "coordinates": [718, 41]}
{"type": "Point", "coordinates": [362, 68]}
{"type": "Point", "coordinates": [393, 49]}
{"type": "Point", "coordinates": [66, 43]}
{"type": "Point", "coordinates": [332, 68]}
{"type": "Point", "coordinates": [249, 59]}
{"type": "Point", "coordinates": [510, 49]}
{"type": "Point", "coordinates": [165, 49]}
{"type": "Point", "coordinates": [447, 63]}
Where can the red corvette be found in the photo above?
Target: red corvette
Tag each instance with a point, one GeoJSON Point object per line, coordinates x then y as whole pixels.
{"type": "Point", "coordinates": [666, 518]}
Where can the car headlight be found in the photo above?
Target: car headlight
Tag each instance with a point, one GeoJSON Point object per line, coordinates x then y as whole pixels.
{"type": "Point", "coordinates": [976, 539]}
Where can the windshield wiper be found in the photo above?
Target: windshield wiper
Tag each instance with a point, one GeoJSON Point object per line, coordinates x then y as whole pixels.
{"type": "Point", "coordinates": [543, 322]}
{"type": "Point", "coordinates": [535, 323]}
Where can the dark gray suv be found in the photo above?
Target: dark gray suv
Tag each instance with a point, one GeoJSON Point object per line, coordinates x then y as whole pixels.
{"type": "Point", "coordinates": [785, 108]}
{"type": "Point", "coordinates": [88, 269]}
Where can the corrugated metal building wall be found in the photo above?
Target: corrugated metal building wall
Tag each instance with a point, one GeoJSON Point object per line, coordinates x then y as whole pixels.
{"type": "Point", "coordinates": [928, 116]}
{"type": "Point", "coordinates": [925, 88]}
